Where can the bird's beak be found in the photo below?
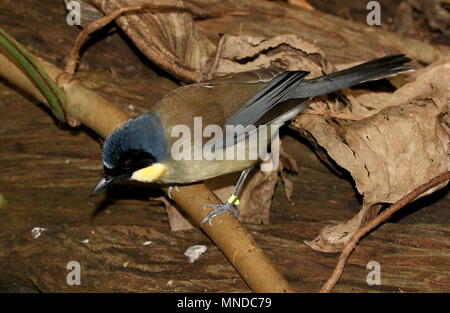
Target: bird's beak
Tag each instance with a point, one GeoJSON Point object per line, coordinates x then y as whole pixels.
{"type": "Point", "coordinates": [102, 184]}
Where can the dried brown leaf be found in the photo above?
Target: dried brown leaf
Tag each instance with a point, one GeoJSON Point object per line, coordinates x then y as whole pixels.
{"type": "Point", "coordinates": [332, 238]}
{"type": "Point", "coordinates": [389, 153]}
{"type": "Point", "coordinates": [170, 40]}
{"type": "Point", "coordinates": [290, 52]}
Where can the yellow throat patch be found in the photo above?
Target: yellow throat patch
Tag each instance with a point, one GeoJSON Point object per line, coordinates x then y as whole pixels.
{"type": "Point", "coordinates": [150, 173]}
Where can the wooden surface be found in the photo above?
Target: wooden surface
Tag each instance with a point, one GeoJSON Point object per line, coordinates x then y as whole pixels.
{"type": "Point", "coordinates": [47, 172]}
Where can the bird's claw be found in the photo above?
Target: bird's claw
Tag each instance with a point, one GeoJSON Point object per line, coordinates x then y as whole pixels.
{"type": "Point", "coordinates": [219, 209]}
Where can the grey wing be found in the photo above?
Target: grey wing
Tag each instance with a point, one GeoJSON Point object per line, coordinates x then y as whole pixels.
{"type": "Point", "coordinates": [266, 106]}
{"type": "Point", "coordinates": [275, 92]}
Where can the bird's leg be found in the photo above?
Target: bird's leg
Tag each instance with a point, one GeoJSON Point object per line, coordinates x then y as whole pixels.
{"type": "Point", "coordinates": [231, 201]}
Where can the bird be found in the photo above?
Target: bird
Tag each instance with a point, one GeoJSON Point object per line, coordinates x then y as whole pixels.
{"type": "Point", "coordinates": [167, 144]}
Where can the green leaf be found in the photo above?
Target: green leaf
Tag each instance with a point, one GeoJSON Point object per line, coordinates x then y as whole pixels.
{"type": "Point", "coordinates": [36, 72]}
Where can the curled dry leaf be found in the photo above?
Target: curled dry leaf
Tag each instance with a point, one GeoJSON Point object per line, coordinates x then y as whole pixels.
{"type": "Point", "coordinates": [334, 236]}
{"type": "Point", "coordinates": [388, 153]}
{"type": "Point", "coordinates": [290, 52]}
{"type": "Point", "coordinates": [170, 40]}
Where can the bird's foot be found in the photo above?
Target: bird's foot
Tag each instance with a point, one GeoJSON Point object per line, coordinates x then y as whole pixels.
{"type": "Point", "coordinates": [219, 209]}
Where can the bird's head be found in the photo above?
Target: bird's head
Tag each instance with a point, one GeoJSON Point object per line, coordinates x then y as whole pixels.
{"type": "Point", "coordinates": [136, 150]}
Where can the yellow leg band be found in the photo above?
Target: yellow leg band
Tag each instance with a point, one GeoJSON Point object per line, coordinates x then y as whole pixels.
{"type": "Point", "coordinates": [233, 200]}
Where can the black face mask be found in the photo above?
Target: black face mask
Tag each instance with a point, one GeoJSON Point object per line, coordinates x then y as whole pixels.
{"type": "Point", "coordinates": [129, 162]}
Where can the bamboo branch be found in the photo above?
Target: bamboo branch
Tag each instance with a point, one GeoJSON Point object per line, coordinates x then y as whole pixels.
{"type": "Point", "coordinates": [92, 110]}
{"type": "Point", "coordinates": [382, 217]}
{"type": "Point", "coordinates": [54, 96]}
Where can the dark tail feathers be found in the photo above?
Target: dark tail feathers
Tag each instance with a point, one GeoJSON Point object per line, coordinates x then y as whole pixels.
{"type": "Point", "coordinates": [372, 70]}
